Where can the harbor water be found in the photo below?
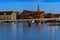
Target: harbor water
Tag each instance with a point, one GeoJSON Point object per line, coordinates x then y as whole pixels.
{"type": "Point", "coordinates": [21, 31]}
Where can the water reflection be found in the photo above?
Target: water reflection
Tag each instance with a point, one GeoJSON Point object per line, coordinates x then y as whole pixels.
{"type": "Point", "coordinates": [13, 30]}
{"type": "Point", "coordinates": [52, 31]}
{"type": "Point", "coordinates": [26, 32]}
{"type": "Point", "coordinates": [36, 32]}
{"type": "Point", "coordinates": [13, 27]}
{"type": "Point", "coordinates": [21, 31]}
{"type": "Point", "coordinates": [33, 32]}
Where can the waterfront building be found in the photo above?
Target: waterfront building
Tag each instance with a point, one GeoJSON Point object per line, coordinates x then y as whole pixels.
{"type": "Point", "coordinates": [26, 14]}
{"type": "Point", "coordinates": [7, 15]}
{"type": "Point", "coordinates": [39, 14]}
{"type": "Point", "coordinates": [13, 16]}
{"type": "Point", "coordinates": [18, 14]}
{"type": "Point", "coordinates": [57, 15]}
{"type": "Point", "coordinates": [50, 15]}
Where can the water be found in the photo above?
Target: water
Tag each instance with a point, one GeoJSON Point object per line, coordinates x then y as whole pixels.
{"type": "Point", "coordinates": [21, 31]}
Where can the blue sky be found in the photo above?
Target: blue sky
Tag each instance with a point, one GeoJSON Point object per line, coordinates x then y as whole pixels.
{"type": "Point", "coordinates": [51, 6]}
{"type": "Point", "coordinates": [51, 0]}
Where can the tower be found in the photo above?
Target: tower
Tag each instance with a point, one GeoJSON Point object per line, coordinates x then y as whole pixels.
{"type": "Point", "coordinates": [38, 8]}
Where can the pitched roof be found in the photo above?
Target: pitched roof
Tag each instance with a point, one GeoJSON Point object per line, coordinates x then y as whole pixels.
{"type": "Point", "coordinates": [7, 12]}
{"type": "Point", "coordinates": [52, 15]}
{"type": "Point", "coordinates": [26, 12]}
{"type": "Point", "coordinates": [57, 15]}
{"type": "Point", "coordinates": [31, 12]}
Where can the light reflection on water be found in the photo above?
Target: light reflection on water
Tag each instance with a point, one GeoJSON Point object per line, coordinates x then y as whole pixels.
{"type": "Point", "coordinates": [21, 31]}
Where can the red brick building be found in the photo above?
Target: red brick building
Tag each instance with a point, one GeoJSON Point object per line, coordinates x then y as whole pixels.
{"type": "Point", "coordinates": [50, 15]}
{"type": "Point", "coordinates": [35, 14]}
{"type": "Point", "coordinates": [57, 15]}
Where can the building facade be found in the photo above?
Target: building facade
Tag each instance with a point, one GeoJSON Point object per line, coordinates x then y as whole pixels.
{"type": "Point", "coordinates": [26, 14]}
{"type": "Point", "coordinates": [13, 16]}
{"type": "Point", "coordinates": [7, 15]}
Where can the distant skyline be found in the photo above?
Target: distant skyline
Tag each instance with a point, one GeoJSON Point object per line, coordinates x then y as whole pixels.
{"type": "Point", "coordinates": [49, 6]}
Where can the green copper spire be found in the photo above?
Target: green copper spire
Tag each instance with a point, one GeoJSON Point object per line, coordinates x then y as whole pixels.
{"type": "Point", "coordinates": [38, 8]}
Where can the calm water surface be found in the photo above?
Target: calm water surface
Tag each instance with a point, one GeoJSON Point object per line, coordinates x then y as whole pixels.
{"type": "Point", "coordinates": [21, 31]}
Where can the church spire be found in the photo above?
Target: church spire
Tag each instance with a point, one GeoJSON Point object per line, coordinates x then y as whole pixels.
{"type": "Point", "coordinates": [38, 8]}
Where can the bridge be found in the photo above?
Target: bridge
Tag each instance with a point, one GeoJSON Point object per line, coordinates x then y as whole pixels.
{"type": "Point", "coordinates": [41, 19]}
